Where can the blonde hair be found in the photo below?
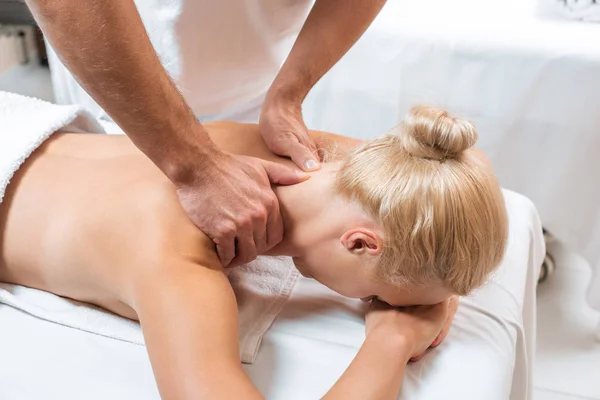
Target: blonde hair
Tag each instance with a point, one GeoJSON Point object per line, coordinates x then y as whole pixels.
{"type": "Point", "coordinates": [440, 206]}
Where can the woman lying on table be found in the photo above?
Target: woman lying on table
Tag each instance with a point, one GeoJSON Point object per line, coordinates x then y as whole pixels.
{"type": "Point", "coordinates": [408, 221]}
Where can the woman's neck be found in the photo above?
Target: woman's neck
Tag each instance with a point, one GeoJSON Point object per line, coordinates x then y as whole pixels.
{"type": "Point", "coordinates": [302, 207]}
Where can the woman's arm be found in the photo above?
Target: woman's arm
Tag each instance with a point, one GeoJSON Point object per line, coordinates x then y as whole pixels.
{"type": "Point", "coordinates": [394, 335]}
{"type": "Point", "coordinates": [189, 318]}
{"type": "Point", "coordinates": [376, 372]}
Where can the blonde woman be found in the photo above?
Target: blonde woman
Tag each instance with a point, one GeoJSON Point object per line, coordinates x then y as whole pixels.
{"type": "Point", "coordinates": [407, 220]}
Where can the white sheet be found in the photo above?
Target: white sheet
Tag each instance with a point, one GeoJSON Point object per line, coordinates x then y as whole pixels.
{"type": "Point", "coordinates": [531, 85]}
{"type": "Point", "coordinates": [487, 355]}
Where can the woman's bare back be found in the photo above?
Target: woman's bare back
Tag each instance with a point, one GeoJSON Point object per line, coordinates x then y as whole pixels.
{"type": "Point", "coordinates": [84, 209]}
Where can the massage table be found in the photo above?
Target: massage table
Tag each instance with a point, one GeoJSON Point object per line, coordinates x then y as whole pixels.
{"type": "Point", "coordinates": [529, 81]}
{"type": "Point", "coordinates": [488, 353]}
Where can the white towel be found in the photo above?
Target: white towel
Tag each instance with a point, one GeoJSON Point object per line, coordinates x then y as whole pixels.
{"type": "Point", "coordinates": [261, 287]}
{"type": "Point", "coordinates": [26, 122]}
{"type": "Point", "coordinates": [584, 10]}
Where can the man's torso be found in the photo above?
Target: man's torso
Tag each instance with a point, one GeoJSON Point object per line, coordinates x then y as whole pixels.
{"type": "Point", "coordinates": [222, 54]}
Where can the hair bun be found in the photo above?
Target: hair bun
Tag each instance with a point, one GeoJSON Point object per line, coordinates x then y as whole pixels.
{"type": "Point", "coordinates": [430, 132]}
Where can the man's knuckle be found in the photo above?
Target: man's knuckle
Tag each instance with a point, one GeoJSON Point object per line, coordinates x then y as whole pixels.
{"type": "Point", "coordinates": [226, 229]}
{"type": "Point", "coordinates": [259, 214]}
{"type": "Point", "coordinates": [273, 201]}
{"type": "Point", "coordinates": [244, 221]}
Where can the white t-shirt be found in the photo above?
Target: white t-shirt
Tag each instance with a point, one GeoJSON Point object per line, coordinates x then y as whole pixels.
{"type": "Point", "coordinates": [221, 53]}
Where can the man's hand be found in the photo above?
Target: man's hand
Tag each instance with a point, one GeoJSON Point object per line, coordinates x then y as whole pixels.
{"type": "Point", "coordinates": [233, 204]}
{"type": "Point", "coordinates": [332, 27]}
{"type": "Point", "coordinates": [283, 129]}
{"type": "Point", "coordinates": [452, 307]}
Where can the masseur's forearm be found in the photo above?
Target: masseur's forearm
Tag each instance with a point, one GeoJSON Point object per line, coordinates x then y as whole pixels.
{"type": "Point", "coordinates": [105, 45]}
{"type": "Point", "coordinates": [376, 372]}
{"type": "Point", "coordinates": [332, 27]}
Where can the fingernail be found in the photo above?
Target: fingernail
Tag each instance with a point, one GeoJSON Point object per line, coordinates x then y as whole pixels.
{"type": "Point", "coordinates": [311, 164]}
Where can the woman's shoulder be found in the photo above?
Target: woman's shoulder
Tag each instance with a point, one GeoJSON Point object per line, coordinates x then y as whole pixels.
{"type": "Point", "coordinates": [246, 139]}
{"type": "Point", "coordinates": [332, 146]}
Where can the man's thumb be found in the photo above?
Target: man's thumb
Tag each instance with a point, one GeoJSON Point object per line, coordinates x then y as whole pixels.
{"type": "Point", "coordinates": [284, 175]}
{"type": "Point", "coordinates": [303, 157]}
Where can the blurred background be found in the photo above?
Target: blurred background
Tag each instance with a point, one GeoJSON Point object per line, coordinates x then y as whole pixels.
{"type": "Point", "coordinates": [23, 61]}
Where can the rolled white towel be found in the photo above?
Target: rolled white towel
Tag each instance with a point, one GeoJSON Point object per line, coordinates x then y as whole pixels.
{"type": "Point", "coordinates": [584, 10]}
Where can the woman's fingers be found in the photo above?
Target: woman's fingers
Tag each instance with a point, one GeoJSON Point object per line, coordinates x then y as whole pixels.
{"type": "Point", "coordinates": [452, 308]}
{"type": "Point", "coordinates": [418, 357]}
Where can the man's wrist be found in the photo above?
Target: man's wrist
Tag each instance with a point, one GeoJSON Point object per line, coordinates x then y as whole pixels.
{"type": "Point", "coordinates": [278, 102]}
{"type": "Point", "coordinates": [189, 159]}
{"type": "Point", "coordinates": [291, 92]}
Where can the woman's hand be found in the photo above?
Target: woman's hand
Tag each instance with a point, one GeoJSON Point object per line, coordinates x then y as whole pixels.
{"type": "Point", "coordinates": [452, 307]}
{"type": "Point", "coordinates": [416, 326]}
{"type": "Point", "coordinates": [394, 335]}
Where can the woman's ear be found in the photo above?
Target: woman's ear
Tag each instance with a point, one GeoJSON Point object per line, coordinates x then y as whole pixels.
{"type": "Point", "coordinates": [362, 241]}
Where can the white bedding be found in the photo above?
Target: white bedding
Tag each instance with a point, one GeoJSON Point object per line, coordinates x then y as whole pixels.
{"type": "Point", "coordinates": [487, 355]}
{"type": "Point", "coordinates": [531, 85]}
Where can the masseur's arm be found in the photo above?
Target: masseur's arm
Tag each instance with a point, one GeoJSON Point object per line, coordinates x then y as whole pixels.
{"type": "Point", "coordinates": [332, 27]}
{"type": "Point", "coordinates": [105, 45]}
